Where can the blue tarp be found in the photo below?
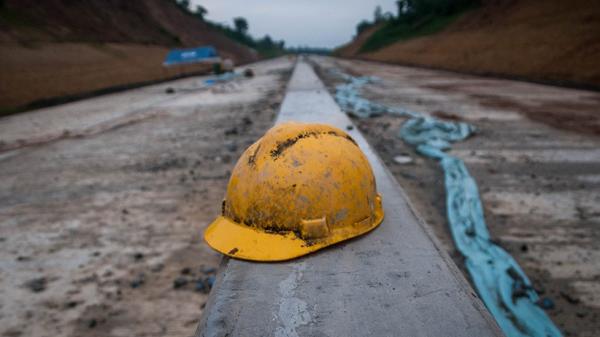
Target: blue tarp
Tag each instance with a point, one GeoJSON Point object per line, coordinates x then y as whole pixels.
{"type": "Point", "coordinates": [500, 281]}
{"type": "Point", "coordinates": [192, 55]}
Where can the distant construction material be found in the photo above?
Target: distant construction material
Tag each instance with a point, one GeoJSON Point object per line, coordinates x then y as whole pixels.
{"type": "Point", "coordinates": [501, 283]}
{"type": "Point", "coordinates": [193, 55]}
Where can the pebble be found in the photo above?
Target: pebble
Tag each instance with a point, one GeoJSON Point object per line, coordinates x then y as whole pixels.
{"type": "Point", "coordinates": [201, 287]}
{"type": "Point", "coordinates": [231, 146]}
{"type": "Point", "coordinates": [180, 282]}
{"type": "Point", "coordinates": [210, 281]}
{"type": "Point", "coordinates": [246, 120]}
{"type": "Point", "coordinates": [37, 284]}
{"type": "Point", "coordinates": [569, 298]}
{"type": "Point", "coordinates": [546, 303]}
{"type": "Point", "coordinates": [208, 270]}
{"type": "Point", "coordinates": [137, 282]}
{"type": "Point", "coordinates": [231, 131]}
{"type": "Point", "coordinates": [403, 159]}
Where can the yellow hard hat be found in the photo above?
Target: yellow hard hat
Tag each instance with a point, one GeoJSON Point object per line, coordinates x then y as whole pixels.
{"type": "Point", "coordinates": [299, 188]}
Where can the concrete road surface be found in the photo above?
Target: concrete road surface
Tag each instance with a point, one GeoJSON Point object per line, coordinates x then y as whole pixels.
{"type": "Point", "coordinates": [103, 201]}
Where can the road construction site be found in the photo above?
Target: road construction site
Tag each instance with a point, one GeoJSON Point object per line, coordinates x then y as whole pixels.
{"type": "Point", "coordinates": [103, 201]}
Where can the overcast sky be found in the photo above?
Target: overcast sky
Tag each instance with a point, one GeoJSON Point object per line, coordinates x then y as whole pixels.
{"type": "Point", "coordinates": [315, 23]}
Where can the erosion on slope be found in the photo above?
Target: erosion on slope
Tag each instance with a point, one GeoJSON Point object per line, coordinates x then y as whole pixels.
{"type": "Point", "coordinates": [60, 48]}
{"type": "Point", "coordinates": [553, 40]}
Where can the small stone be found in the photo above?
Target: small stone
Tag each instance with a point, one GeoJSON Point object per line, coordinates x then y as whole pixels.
{"type": "Point", "coordinates": [403, 159]}
{"type": "Point", "coordinates": [524, 248]}
{"type": "Point", "coordinates": [210, 281]}
{"type": "Point", "coordinates": [349, 127]}
{"type": "Point", "coordinates": [180, 282]}
{"type": "Point", "coordinates": [186, 271]}
{"type": "Point", "coordinates": [138, 256]}
{"type": "Point", "coordinates": [546, 303]}
{"type": "Point", "coordinates": [231, 131]}
{"type": "Point", "coordinates": [246, 120]}
{"type": "Point", "coordinates": [208, 270]}
{"type": "Point", "coordinates": [569, 298]}
{"type": "Point", "coordinates": [137, 282]}
{"type": "Point", "coordinates": [92, 323]}
{"type": "Point", "coordinates": [71, 304]}
{"type": "Point", "coordinates": [231, 146]}
{"type": "Point", "coordinates": [169, 90]}
{"type": "Point", "coordinates": [201, 287]}
{"type": "Point", "coordinates": [37, 284]}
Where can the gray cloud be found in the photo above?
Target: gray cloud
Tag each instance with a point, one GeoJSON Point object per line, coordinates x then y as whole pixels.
{"type": "Point", "coordinates": [316, 23]}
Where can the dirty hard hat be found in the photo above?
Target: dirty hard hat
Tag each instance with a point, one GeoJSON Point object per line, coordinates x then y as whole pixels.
{"type": "Point", "coordinates": [299, 188]}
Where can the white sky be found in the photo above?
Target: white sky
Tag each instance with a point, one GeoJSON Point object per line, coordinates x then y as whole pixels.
{"type": "Point", "coordinates": [315, 23]}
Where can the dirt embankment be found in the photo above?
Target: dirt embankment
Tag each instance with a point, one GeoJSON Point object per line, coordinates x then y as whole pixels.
{"type": "Point", "coordinates": [554, 41]}
{"type": "Point", "coordinates": [353, 47]}
{"type": "Point", "coordinates": [61, 48]}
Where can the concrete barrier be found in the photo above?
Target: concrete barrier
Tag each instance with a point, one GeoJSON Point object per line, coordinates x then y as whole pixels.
{"type": "Point", "coordinates": [394, 281]}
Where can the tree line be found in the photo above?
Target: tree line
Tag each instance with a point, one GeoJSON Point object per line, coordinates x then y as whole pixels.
{"type": "Point", "coordinates": [416, 12]}
{"type": "Point", "coordinates": [266, 46]}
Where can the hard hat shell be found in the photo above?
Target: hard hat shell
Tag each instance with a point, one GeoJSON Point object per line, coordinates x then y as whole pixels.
{"type": "Point", "coordinates": [299, 188]}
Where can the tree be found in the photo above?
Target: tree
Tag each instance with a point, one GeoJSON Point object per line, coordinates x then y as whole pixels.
{"type": "Point", "coordinates": [185, 4]}
{"type": "Point", "coordinates": [362, 26]}
{"type": "Point", "coordinates": [201, 12]}
{"type": "Point", "coordinates": [266, 42]}
{"type": "Point", "coordinates": [378, 14]}
{"type": "Point", "coordinates": [241, 25]}
{"type": "Point", "coordinates": [405, 7]}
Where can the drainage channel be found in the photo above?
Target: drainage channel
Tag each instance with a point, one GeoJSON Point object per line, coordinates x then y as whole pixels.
{"type": "Point", "coordinates": [394, 281]}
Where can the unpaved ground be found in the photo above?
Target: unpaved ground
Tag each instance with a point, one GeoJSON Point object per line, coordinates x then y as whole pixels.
{"type": "Point", "coordinates": [49, 71]}
{"type": "Point", "coordinates": [103, 201]}
{"type": "Point", "coordinates": [540, 185]}
{"type": "Point", "coordinates": [551, 40]}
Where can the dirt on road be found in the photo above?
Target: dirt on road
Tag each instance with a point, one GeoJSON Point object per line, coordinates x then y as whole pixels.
{"type": "Point", "coordinates": [103, 202]}
{"type": "Point", "coordinates": [539, 179]}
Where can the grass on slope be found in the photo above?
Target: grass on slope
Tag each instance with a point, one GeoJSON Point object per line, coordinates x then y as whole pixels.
{"type": "Point", "coordinates": [394, 31]}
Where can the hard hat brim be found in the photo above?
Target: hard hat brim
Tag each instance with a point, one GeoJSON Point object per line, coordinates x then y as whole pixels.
{"type": "Point", "coordinates": [249, 243]}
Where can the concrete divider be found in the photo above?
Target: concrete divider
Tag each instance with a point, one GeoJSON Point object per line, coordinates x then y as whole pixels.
{"type": "Point", "coordinates": [394, 281]}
